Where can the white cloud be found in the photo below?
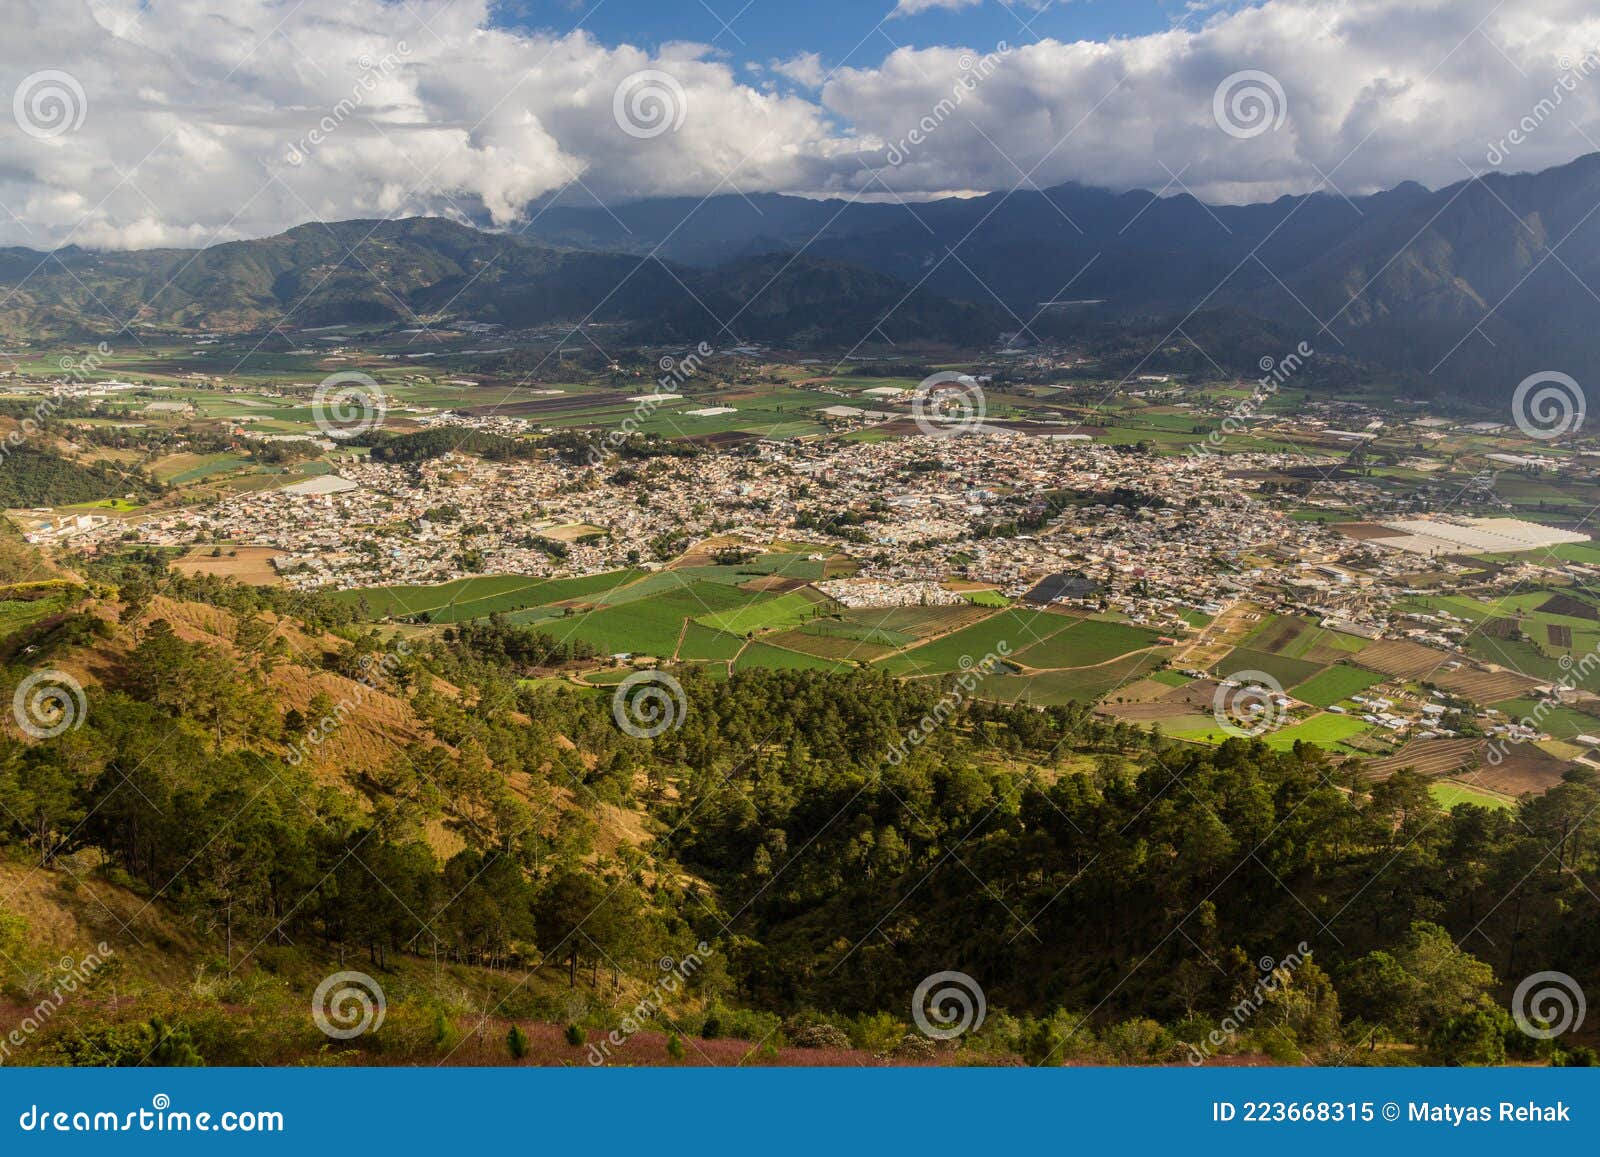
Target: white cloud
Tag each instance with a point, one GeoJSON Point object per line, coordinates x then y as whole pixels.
{"type": "Point", "coordinates": [912, 7]}
{"type": "Point", "coordinates": [804, 69]}
{"type": "Point", "coordinates": [193, 110]}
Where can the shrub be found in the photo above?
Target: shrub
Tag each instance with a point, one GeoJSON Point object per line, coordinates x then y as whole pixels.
{"type": "Point", "coordinates": [913, 1046]}
{"type": "Point", "coordinates": [1137, 1041]}
{"type": "Point", "coordinates": [576, 1035]}
{"type": "Point", "coordinates": [517, 1042]}
{"type": "Point", "coordinates": [820, 1036]}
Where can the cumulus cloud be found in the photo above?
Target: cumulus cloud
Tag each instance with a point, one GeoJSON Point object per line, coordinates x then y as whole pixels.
{"type": "Point", "coordinates": [805, 69]}
{"type": "Point", "coordinates": [202, 121]}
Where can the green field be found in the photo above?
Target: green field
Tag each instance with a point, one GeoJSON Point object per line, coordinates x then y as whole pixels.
{"type": "Point", "coordinates": [767, 656]}
{"type": "Point", "coordinates": [16, 614]}
{"type": "Point", "coordinates": [1448, 794]}
{"type": "Point", "coordinates": [1083, 685]}
{"type": "Point", "coordinates": [703, 643]}
{"type": "Point", "coordinates": [1016, 629]}
{"type": "Point", "coordinates": [1285, 670]}
{"type": "Point", "coordinates": [1323, 730]}
{"type": "Point", "coordinates": [986, 598]}
{"type": "Point", "coordinates": [769, 614]}
{"type": "Point", "coordinates": [1335, 684]}
{"type": "Point", "coordinates": [1086, 643]}
{"type": "Point", "coordinates": [649, 626]}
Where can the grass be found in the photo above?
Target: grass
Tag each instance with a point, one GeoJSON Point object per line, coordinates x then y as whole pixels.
{"type": "Point", "coordinates": [1171, 678]}
{"type": "Point", "coordinates": [16, 614]}
{"type": "Point", "coordinates": [986, 598]}
{"type": "Point", "coordinates": [703, 643]}
{"type": "Point", "coordinates": [1322, 730]}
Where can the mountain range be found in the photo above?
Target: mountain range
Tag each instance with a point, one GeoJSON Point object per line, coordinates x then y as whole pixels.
{"type": "Point", "coordinates": [1480, 283]}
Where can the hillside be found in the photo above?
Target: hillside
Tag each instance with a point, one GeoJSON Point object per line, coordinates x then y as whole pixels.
{"type": "Point", "coordinates": [255, 792]}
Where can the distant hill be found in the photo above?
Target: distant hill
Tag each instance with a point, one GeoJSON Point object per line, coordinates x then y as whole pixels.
{"type": "Point", "coordinates": [376, 271]}
{"type": "Point", "coordinates": [1471, 287]}
{"type": "Point", "coordinates": [1477, 284]}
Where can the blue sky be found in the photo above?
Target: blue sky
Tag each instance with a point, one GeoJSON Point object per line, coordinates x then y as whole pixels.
{"type": "Point", "coordinates": [852, 32]}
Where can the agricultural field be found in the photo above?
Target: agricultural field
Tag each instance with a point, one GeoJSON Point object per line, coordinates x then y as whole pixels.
{"type": "Point", "coordinates": [651, 626]}
{"type": "Point", "coordinates": [758, 654]}
{"type": "Point", "coordinates": [1015, 629]}
{"type": "Point", "coordinates": [1324, 730]}
{"type": "Point", "coordinates": [783, 611]}
{"type": "Point", "coordinates": [17, 614]}
{"type": "Point", "coordinates": [1287, 671]}
{"type": "Point", "coordinates": [1085, 643]}
{"type": "Point", "coordinates": [703, 644]}
{"type": "Point", "coordinates": [1449, 793]}
{"type": "Point", "coordinates": [482, 595]}
{"type": "Point", "coordinates": [1334, 685]}
{"type": "Point", "coordinates": [1077, 685]}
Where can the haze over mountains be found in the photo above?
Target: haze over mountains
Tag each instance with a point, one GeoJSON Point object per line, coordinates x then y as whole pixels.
{"type": "Point", "coordinates": [1479, 283]}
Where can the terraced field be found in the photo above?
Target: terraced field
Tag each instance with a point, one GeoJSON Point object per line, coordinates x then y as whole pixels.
{"type": "Point", "coordinates": [1405, 659]}
{"type": "Point", "coordinates": [1429, 757]}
